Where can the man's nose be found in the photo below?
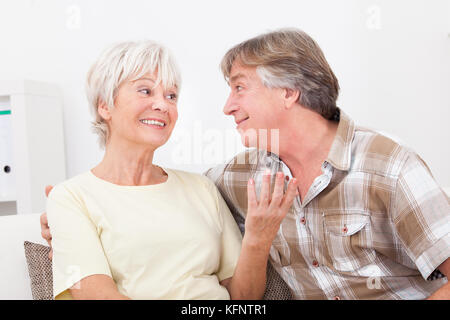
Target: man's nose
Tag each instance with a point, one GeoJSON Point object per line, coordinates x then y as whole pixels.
{"type": "Point", "coordinates": [230, 106]}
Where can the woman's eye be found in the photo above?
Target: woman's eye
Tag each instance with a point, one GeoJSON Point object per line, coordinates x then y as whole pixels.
{"type": "Point", "coordinates": [145, 91]}
{"type": "Point", "coordinates": [172, 96]}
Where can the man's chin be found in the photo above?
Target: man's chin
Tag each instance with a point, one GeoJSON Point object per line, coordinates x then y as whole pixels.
{"type": "Point", "coordinates": [251, 139]}
{"type": "Point", "coordinates": [249, 142]}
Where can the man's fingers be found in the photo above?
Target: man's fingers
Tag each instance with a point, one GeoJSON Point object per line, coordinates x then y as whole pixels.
{"type": "Point", "coordinates": [43, 218]}
{"type": "Point", "coordinates": [47, 190]}
{"type": "Point", "coordinates": [277, 194]}
{"type": "Point", "coordinates": [45, 233]}
{"type": "Point", "coordinates": [251, 194]}
{"type": "Point", "coordinates": [290, 195]}
{"type": "Point", "coordinates": [45, 230]}
{"type": "Point", "coordinates": [264, 196]}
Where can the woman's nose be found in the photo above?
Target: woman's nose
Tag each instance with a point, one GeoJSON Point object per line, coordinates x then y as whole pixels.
{"type": "Point", "coordinates": [160, 105]}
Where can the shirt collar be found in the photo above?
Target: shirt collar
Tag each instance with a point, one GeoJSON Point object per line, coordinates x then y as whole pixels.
{"type": "Point", "coordinates": [341, 148]}
{"type": "Point", "coordinates": [340, 152]}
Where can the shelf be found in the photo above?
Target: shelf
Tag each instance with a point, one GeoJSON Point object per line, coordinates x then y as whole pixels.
{"type": "Point", "coordinates": [31, 144]}
{"type": "Point", "coordinates": [7, 199]}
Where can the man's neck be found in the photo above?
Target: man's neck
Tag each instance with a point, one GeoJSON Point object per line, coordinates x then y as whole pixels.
{"type": "Point", "coordinates": [305, 144]}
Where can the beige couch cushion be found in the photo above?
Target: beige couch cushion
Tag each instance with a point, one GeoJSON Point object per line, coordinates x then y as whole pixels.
{"type": "Point", "coordinates": [276, 288]}
{"type": "Point", "coordinates": [40, 270]}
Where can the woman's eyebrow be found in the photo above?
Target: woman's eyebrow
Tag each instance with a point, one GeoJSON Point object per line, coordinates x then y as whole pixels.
{"type": "Point", "coordinates": [148, 79]}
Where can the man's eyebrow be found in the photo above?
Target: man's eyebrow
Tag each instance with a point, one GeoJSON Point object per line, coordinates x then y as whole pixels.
{"type": "Point", "coordinates": [236, 77]}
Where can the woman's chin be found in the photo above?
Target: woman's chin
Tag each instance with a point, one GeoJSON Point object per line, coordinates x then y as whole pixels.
{"type": "Point", "coordinates": [156, 143]}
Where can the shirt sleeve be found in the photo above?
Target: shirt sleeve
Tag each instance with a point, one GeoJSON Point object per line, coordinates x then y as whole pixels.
{"type": "Point", "coordinates": [422, 216]}
{"type": "Point", "coordinates": [77, 249]}
{"type": "Point", "coordinates": [216, 175]}
{"type": "Point", "coordinates": [231, 237]}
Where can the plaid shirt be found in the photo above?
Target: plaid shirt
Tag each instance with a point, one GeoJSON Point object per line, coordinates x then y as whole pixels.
{"type": "Point", "coordinates": [374, 225]}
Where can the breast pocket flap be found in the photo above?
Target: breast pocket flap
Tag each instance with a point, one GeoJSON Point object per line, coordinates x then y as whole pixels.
{"type": "Point", "coordinates": [345, 224]}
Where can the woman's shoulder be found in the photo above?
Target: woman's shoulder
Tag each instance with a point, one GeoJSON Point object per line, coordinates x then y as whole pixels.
{"type": "Point", "coordinates": [70, 186]}
{"type": "Point", "coordinates": [191, 179]}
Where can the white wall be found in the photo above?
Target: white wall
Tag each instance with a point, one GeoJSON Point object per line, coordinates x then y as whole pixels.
{"type": "Point", "coordinates": [392, 58]}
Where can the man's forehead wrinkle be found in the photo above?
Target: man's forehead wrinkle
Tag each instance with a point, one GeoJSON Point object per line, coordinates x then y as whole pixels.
{"type": "Point", "coordinates": [237, 77]}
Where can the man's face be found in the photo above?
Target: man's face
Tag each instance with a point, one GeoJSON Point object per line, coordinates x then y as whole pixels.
{"type": "Point", "coordinates": [257, 110]}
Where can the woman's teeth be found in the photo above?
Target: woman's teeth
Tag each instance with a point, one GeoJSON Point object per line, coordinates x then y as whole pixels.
{"type": "Point", "coordinates": [154, 122]}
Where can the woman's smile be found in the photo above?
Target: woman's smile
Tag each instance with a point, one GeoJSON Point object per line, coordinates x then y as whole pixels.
{"type": "Point", "coordinates": [154, 123]}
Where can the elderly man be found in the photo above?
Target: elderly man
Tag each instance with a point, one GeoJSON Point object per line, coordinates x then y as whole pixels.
{"type": "Point", "coordinates": [369, 221]}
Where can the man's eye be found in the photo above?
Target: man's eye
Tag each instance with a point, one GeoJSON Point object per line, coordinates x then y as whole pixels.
{"type": "Point", "coordinates": [239, 88]}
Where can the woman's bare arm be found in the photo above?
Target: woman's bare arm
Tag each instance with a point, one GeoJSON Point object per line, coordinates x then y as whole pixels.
{"type": "Point", "coordinates": [96, 287]}
{"type": "Point", "coordinates": [261, 226]}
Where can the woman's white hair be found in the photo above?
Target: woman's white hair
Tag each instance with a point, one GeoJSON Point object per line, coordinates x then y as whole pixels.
{"type": "Point", "coordinates": [126, 61]}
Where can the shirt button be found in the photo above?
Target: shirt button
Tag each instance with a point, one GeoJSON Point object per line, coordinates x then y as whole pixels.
{"type": "Point", "coordinates": [302, 220]}
{"type": "Point", "coordinates": [345, 229]}
{"type": "Point", "coordinates": [337, 298]}
{"type": "Point", "coordinates": [287, 178]}
{"type": "Point", "coordinates": [315, 263]}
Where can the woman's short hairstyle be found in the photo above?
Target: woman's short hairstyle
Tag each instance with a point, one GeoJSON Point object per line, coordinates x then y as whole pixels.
{"type": "Point", "coordinates": [289, 58]}
{"type": "Point", "coordinates": [126, 61]}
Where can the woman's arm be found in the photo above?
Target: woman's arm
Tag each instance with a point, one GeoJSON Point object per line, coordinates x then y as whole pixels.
{"type": "Point", "coordinates": [261, 226]}
{"type": "Point", "coordinates": [443, 293]}
{"type": "Point", "coordinates": [96, 287]}
{"type": "Point", "coordinates": [249, 278]}
{"type": "Point", "coordinates": [79, 261]}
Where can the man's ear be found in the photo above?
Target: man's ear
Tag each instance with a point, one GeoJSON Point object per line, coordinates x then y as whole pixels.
{"type": "Point", "coordinates": [103, 110]}
{"type": "Point", "coordinates": [290, 97]}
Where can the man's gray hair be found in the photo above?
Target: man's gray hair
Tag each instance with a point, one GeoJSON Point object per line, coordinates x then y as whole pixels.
{"type": "Point", "coordinates": [126, 61]}
{"type": "Point", "coordinates": [289, 58]}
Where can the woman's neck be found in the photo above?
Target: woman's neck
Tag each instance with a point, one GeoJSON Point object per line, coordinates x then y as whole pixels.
{"type": "Point", "coordinates": [129, 165]}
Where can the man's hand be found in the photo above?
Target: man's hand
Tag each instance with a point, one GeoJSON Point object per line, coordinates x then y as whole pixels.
{"type": "Point", "coordinates": [265, 216]}
{"type": "Point", "coordinates": [45, 230]}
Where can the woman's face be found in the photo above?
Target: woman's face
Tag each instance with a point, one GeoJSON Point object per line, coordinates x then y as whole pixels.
{"type": "Point", "coordinates": [143, 114]}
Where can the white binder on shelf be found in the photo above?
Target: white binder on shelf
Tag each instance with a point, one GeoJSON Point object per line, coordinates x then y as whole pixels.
{"type": "Point", "coordinates": [7, 181]}
{"type": "Point", "coordinates": [31, 144]}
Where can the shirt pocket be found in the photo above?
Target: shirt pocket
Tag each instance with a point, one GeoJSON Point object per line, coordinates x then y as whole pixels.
{"type": "Point", "coordinates": [348, 239]}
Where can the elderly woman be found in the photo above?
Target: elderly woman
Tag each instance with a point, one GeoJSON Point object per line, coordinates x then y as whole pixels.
{"type": "Point", "coordinates": [129, 229]}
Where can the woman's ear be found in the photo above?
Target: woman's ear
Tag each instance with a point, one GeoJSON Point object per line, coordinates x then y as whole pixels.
{"type": "Point", "coordinates": [103, 110]}
{"type": "Point", "coordinates": [290, 97]}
